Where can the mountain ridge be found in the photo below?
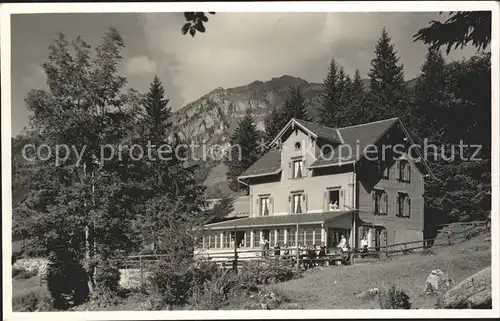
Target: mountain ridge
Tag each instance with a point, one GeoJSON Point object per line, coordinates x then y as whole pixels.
{"type": "Point", "coordinates": [212, 118]}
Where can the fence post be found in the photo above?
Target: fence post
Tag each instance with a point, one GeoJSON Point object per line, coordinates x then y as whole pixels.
{"type": "Point", "coordinates": [140, 270]}
{"type": "Point", "coordinates": [297, 247]}
{"type": "Point", "coordinates": [235, 260]}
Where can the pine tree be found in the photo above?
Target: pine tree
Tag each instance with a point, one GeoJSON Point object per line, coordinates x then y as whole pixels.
{"type": "Point", "coordinates": [169, 191]}
{"type": "Point", "coordinates": [243, 150]}
{"type": "Point", "coordinates": [274, 122]}
{"type": "Point", "coordinates": [355, 101]}
{"type": "Point", "coordinates": [387, 93]}
{"type": "Point", "coordinates": [157, 112]}
{"type": "Point", "coordinates": [432, 98]}
{"type": "Point", "coordinates": [295, 105]}
{"type": "Point", "coordinates": [330, 97]}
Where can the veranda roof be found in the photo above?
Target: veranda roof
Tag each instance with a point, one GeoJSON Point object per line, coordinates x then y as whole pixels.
{"type": "Point", "coordinates": [277, 220]}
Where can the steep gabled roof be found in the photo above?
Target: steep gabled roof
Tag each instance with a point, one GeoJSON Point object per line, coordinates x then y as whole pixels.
{"type": "Point", "coordinates": [323, 132]}
{"type": "Point", "coordinates": [313, 129]}
{"type": "Point", "coordinates": [348, 145]}
{"type": "Point", "coordinates": [270, 163]}
{"type": "Point", "coordinates": [355, 139]}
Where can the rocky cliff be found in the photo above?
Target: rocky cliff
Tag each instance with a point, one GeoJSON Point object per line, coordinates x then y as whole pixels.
{"type": "Point", "coordinates": [212, 117]}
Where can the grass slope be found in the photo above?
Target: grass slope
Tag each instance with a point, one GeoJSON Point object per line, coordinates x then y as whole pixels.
{"type": "Point", "coordinates": [336, 287]}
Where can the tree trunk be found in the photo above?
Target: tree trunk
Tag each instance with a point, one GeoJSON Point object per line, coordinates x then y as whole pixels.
{"type": "Point", "coordinates": [88, 269]}
{"type": "Point", "coordinates": [473, 292]}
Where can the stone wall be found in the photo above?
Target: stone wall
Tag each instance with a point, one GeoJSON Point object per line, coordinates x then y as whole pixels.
{"type": "Point", "coordinates": [30, 264]}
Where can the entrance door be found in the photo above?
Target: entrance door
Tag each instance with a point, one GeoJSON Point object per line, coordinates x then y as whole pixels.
{"type": "Point", "coordinates": [334, 235]}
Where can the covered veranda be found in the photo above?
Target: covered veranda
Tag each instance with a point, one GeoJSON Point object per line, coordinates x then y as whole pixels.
{"type": "Point", "coordinates": [287, 231]}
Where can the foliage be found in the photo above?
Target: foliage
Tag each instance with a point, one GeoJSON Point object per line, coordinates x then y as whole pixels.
{"type": "Point", "coordinates": [295, 106]}
{"type": "Point", "coordinates": [394, 299]}
{"type": "Point", "coordinates": [215, 292]}
{"type": "Point", "coordinates": [462, 28]}
{"type": "Point", "coordinates": [32, 301]}
{"type": "Point", "coordinates": [78, 202]}
{"type": "Point", "coordinates": [166, 188]}
{"type": "Point", "coordinates": [108, 277]}
{"type": "Point", "coordinates": [335, 87]}
{"type": "Point", "coordinates": [388, 93]}
{"type": "Point", "coordinates": [243, 150]}
{"type": "Point", "coordinates": [221, 209]}
{"type": "Point", "coordinates": [66, 280]}
{"type": "Point", "coordinates": [174, 279]}
{"type": "Point", "coordinates": [274, 122]}
{"type": "Point", "coordinates": [195, 22]}
{"type": "Point", "coordinates": [260, 273]}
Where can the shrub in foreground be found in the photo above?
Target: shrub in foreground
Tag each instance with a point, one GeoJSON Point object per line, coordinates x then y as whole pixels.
{"type": "Point", "coordinates": [265, 272]}
{"type": "Point", "coordinates": [394, 299]}
{"type": "Point", "coordinates": [66, 280]}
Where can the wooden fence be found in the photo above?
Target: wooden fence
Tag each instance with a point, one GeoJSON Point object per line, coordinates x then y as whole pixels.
{"type": "Point", "coordinates": [232, 258]}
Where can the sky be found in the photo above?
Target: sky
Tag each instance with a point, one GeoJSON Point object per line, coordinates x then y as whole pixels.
{"type": "Point", "coordinates": [236, 49]}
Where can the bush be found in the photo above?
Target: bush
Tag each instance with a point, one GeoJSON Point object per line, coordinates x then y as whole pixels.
{"type": "Point", "coordinates": [174, 279]}
{"type": "Point", "coordinates": [213, 294]}
{"type": "Point", "coordinates": [260, 273]}
{"type": "Point", "coordinates": [66, 280]}
{"type": "Point", "coordinates": [394, 299]}
{"type": "Point", "coordinates": [108, 277]}
{"type": "Point", "coordinates": [32, 301]}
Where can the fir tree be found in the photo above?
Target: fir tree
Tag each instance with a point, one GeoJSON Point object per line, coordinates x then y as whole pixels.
{"type": "Point", "coordinates": [169, 191]}
{"type": "Point", "coordinates": [274, 122]}
{"type": "Point", "coordinates": [355, 101]}
{"type": "Point", "coordinates": [243, 150]}
{"type": "Point", "coordinates": [157, 112]}
{"type": "Point", "coordinates": [387, 86]}
{"type": "Point", "coordinates": [295, 105]}
{"type": "Point", "coordinates": [331, 97]}
{"type": "Point", "coordinates": [432, 98]}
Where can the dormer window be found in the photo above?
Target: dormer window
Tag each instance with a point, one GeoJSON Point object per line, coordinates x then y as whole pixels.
{"type": "Point", "coordinates": [298, 169]}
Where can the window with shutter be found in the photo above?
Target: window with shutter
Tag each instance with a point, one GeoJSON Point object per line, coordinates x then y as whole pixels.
{"type": "Point", "coordinates": [297, 204]}
{"type": "Point", "coordinates": [385, 204]}
{"type": "Point", "coordinates": [381, 208]}
{"type": "Point", "coordinates": [398, 171]}
{"type": "Point", "coordinates": [408, 174]}
{"type": "Point", "coordinates": [304, 170]}
{"type": "Point", "coordinates": [398, 202]}
{"type": "Point", "coordinates": [374, 202]}
{"type": "Point", "coordinates": [271, 204]}
{"type": "Point", "coordinates": [408, 207]}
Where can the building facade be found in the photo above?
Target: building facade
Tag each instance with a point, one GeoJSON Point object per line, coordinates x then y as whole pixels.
{"type": "Point", "coordinates": [318, 183]}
